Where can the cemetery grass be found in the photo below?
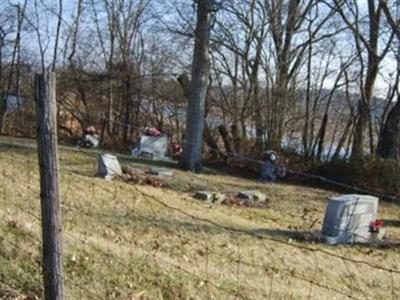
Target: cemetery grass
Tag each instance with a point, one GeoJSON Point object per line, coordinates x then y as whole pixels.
{"type": "Point", "coordinates": [121, 242]}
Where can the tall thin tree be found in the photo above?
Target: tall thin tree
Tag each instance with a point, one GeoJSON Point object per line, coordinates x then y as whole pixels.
{"type": "Point", "coordinates": [193, 143]}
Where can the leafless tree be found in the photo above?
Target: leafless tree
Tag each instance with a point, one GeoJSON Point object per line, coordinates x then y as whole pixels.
{"type": "Point", "coordinates": [389, 137]}
{"type": "Point", "coordinates": [370, 43]}
{"type": "Point", "coordinates": [193, 143]}
{"type": "Point", "coordinates": [15, 62]}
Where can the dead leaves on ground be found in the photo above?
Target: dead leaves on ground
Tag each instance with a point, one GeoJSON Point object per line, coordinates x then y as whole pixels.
{"type": "Point", "coordinates": [137, 176]}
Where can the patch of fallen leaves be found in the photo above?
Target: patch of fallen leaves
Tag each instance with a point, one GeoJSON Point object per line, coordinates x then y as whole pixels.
{"type": "Point", "coordinates": [137, 176]}
{"type": "Point", "coordinates": [234, 201]}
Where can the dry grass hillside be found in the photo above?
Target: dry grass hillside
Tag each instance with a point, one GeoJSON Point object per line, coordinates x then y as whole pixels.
{"type": "Point", "coordinates": [138, 241]}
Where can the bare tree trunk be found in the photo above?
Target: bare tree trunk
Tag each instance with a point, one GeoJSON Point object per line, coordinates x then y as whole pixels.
{"type": "Point", "coordinates": [389, 140]}
{"type": "Point", "coordinates": [321, 136]}
{"type": "Point", "coordinates": [212, 143]}
{"type": "Point", "coordinates": [363, 114]}
{"type": "Point", "coordinates": [236, 137]}
{"type": "Point", "coordinates": [343, 139]}
{"type": "Point", "coordinates": [75, 33]}
{"type": "Point", "coordinates": [193, 144]}
{"type": "Point", "coordinates": [368, 88]}
{"type": "Point", "coordinates": [308, 100]}
{"type": "Point", "coordinates": [258, 117]}
{"type": "Point", "coordinates": [371, 135]}
{"type": "Point", "coordinates": [127, 96]}
{"type": "Point", "coordinates": [225, 138]}
{"type": "Point", "coordinates": [2, 95]}
{"type": "Point", "coordinates": [282, 35]}
{"type": "Point", "coordinates": [60, 7]}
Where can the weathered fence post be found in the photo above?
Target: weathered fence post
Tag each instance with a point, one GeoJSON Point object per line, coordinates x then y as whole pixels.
{"type": "Point", "coordinates": [45, 97]}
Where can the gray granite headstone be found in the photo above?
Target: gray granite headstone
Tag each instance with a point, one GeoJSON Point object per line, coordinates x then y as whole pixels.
{"type": "Point", "coordinates": [348, 219]}
{"type": "Point", "coordinates": [108, 166]}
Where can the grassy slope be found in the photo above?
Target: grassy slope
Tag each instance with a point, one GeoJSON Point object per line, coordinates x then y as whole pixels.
{"type": "Point", "coordinates": [122, 244]}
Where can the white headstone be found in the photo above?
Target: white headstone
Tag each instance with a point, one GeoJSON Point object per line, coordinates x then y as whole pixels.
{"type": "Point", "coordinates": [348, 219]}
{"type": "Point", "coordinates": [157, 146]}
{"type": "Point", "coordinates": [108, 166]}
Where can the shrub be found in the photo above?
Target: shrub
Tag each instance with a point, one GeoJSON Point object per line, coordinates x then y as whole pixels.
{"type": "Point", "coordinates": [378, 175]}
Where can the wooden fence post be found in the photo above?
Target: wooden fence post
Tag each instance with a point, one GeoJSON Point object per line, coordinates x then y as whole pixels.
{"type": "Point", "coordinates": [52, 262]}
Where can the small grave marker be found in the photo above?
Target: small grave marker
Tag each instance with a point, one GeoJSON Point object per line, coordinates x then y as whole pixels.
{"type": "Point", "coordinates": [209, 196]}
{"type": "Point", "coordinates": [251, 197]}
{"type": "Point", "coordinates": [108, 166]}
{"type": "Point", "coordinates": [161, 172]}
